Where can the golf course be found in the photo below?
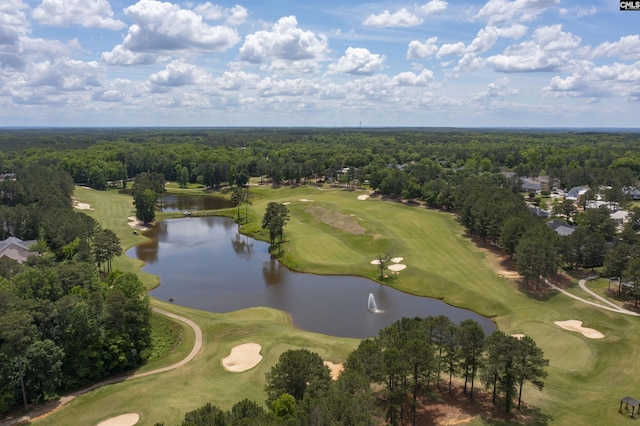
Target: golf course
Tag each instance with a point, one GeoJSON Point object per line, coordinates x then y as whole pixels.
{"type": "Point", "coordinates": [339, 232]}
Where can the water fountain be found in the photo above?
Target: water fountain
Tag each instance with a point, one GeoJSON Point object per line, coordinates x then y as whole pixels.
{"type": "Point", "coordinates": [371, 304]}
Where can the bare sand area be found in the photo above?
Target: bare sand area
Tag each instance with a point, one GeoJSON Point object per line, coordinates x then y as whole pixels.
{"type": "Point", "coordinates": [363, 197]}
{"type": "Point", "coordinates": [518, 336]}
{"type": "Point", "coordinates": [243, 357]}
{"type": "Point", "coordinates": [575, 325]}
{"type": "Point", "coordinates": [128, 419]}
{"type": "Point", "coordinates": [397, 259]}
{"type": "Point", "coordinates": [335, 369]}
{"type": "Point", "coordinates": [397, 267]}
{"type": "Point", "coordinates": [136, 224]}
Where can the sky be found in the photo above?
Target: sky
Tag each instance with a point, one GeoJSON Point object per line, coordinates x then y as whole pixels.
{"type": "Point", "coordinates": [435, 63]}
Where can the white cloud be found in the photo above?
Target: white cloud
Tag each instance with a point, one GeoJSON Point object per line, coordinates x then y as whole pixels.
{"type": "Point", "coordinates": [234, 16]}
{"type": "Point", "coordinates": [358, 61]}
{"type": "Point", "coordinates": [549, 49]}
{"type": "Point", "coordinates": [179, 73]}
{"type": "Point", "coordinates": [89, 14]}
{"type": "Point", "coordinates": [286, 47]}
{"type": "Point", "coordinates": [579, 11]}
{"type": "Point", "coordinates": [235, 80]}
{"type": "Point", "coordinates": [411, 79]}
{"type": "Point", "coordinates": [401, 18]}
{"type": "Point", "coordinates": [65, 75]}
{"type": "Point", "coordinates": [163, 27]}
{"type": "Point", "coordinates": [419, 50]}
{"type": "Point", "coordinates": [504, 11]}
{"type": "Point", "coordinates": [434, 6]}
{"type": "Point", "coordinates": [13, 21]}
{"type": "Point", "coordinates": [485, 40]}
{"type": "Point", "coordinates": [615, 80]}
{"type": "Point", "coordinates": [627, 47]}
{"type": "Point", "coordinates": [269, 87]}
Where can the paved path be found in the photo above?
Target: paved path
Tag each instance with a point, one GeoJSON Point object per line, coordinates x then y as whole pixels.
{"type": "Point", "coordinates": [610, 306]}
{"type": "Point", "coordinates": [42, 412]}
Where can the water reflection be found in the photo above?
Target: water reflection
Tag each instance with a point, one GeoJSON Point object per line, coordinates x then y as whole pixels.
{"type": "Point", "coordinates": [182, 202]}
{"type": "Point", "coordinates": [197, 268]}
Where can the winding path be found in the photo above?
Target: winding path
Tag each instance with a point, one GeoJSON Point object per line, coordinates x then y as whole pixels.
{"type": "Point", "coordinates": [48, 409]}
{"type": "Point", "coordinates": [610, 306]}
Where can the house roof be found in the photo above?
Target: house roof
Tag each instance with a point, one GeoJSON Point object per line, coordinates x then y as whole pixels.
{"type": "Point", "coordinates": [562, 228]}
{"type": "Point", "coordinates": [575, 192]}
{"type": "Point", "coordinates": [16, 249]}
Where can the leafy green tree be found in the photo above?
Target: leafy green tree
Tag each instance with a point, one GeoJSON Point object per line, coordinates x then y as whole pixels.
{"type": "Point", "coordinates": [245, 412]}
{"type": "Point", "coordinates": [106, 246]}
{"type": "Point", "coordinates": [146, 206]}
{"type": "Point", "coordinates": [472, 340]}
{"type": "Point", "coordinates": [182, 174]}
{"type": "Point", "coordinates": [207, 415]}
{"type": "Point", "coordinates": [531, 363]}
{"type": "Point", "coordinates": [299, 373]}
{"type": "Point", "coordinates": [17, 332]}
{"type": "Point", "coordinates": [43, 372]}
{"type": "Point", "coordinates": [275, 218]}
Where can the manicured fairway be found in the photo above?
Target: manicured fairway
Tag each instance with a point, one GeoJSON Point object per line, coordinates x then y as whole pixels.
{"type": "Point", "coordinates": [587, 377]}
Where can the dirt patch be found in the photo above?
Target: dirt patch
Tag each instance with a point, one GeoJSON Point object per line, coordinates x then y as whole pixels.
{"type": "Point", "coordinates": [335, 369]}
{"type": "Point", "coordinates": [336, 219]}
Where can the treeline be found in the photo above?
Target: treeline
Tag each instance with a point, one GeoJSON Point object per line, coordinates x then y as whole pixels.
{"type": "Point", "coordinates": [66, 319]}
{"type": "Point", "coordinates": [214, 158]}
{"type": "Point", "coordinates": [389, 377]}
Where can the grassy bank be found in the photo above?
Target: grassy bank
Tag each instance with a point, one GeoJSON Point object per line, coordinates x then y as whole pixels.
{"type": "Point", "coordinates": [332, 231]}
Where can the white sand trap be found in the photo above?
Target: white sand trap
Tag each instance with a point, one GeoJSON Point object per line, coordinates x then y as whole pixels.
{"type": "Point", "coordinates": [397, 259]}
{"type": "Point", "coordinates": [363, 197]}
{"type": "Point", "coordinates": [375, 262]}
{"type": "Point", "coordinates": [243, 357]}
{"type": "Point", "coordinates": [518, 336]}
{"type": "Point", "coordinates": [305, 200]}
{"type": "Point", "coordinates": [135, 223]}
{"type": "Point", "coordinates": [335, 369]}
{"type": "Point", "coordinates": [287, 203]}
{"type": "Point", "coordinates": [82, 206]}
{"type": "Point", "coordinates": [128, 419]}
{"type": "Point", "coordinates": [397, 267]}
{"type": "Point", "coordinates": [575, 325]}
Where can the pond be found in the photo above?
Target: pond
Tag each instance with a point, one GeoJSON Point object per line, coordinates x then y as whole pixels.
{"type": "Point", "coordinates": [185, 202]}
{"type": "Point", "coordinates": [205, 263]}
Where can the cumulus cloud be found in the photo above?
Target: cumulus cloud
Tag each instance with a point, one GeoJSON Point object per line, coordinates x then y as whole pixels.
{"type": "Point", "coordinates": [235, 80]}
{"type": "Point", "coordinates": [66, 74]}
{"type": "Point", "coordinates": [589, 81]}
{"type": "Point", "coordinates": [549, 49]}
{"type": "Point", "coordinates": [434, 6]}
{"type": "Point", "coordinates": [179, 73]}
{"type": "Point", "coordinates": [285, 47]}
{"type": "Point", "coordinates": [504, 11]}
{"type": "Point", "coordinates": [419, 50]}
{"type": "Point", "coordinates": [627, 47]}
{"type": "Point", "coordinates": [358, 61]}
{"type": "Point", "coordinates": [13, 22]}
{"type": "Point", "coordinates": [579, 11]}
{"type": "Point", "coordinates": [411, 79]}
{"type": "Point", "coordinates": [163, 27]}
{"type": "Point", "coordinates": [485, 40]}
{"type": "Point", "coordinates": [401, 18]}
{"type": "Point", "coordinates": [89, 14]}
{"type": "Point", "coordinates": [234, 16]}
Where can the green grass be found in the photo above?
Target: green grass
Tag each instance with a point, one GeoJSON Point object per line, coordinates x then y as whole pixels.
{"type": "Point", "coordinates": [586, 377]}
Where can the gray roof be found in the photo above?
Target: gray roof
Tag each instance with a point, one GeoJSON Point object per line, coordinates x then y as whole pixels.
{"type": "Point", "coordinates": [16, 249]}
{"type": "Point", "coordinates": [562, 228]}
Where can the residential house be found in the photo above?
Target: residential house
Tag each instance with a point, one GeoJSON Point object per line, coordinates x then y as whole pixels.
{"type": "Point", "coordinates": [562, 228]}
{"type": "Point", "coordinates": [575, 193]}
{"type": "Point", "coordinates": [16, 249]}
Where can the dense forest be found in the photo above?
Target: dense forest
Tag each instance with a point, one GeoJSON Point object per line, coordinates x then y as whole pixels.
{"type": "Point", "coordinates": [66, 320]}
{"type": "Point", "coordinates": [102, 316]}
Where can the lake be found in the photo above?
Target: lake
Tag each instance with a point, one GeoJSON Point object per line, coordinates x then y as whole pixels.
{"type": "Point", "coordinates": [205, 263]}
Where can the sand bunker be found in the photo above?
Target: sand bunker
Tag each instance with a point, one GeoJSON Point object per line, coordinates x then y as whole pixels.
{"type": "Point", "coordinates": [243, 357]}
{"type": "Point", "coordinates": [397, 259]}
{"type": "Point", "coordinates": [335, 369]}
{"type": "Point", "coordinates": [305, 200]}
{"type": "Point", "coordinates": [518, 336]}
{"type": "Point", "coordinates": [397, 267]}
{"type": "Point", "coordinates": [82, 206]}
{"type": "Point", "coordinates": [575, 325]}
{"type": "Point", "coordinates": [287, 203]}
{"type": "Point", "coordinates": [135, 223]}
{"type": "Point", "coordinates": [129, 419]}
{"type": "Point", "coordinates": [375, 262]}
{"type": "Point", "coordinates": [363, 197]}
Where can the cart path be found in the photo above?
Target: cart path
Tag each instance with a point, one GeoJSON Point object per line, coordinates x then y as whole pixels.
{"type": "Point", "coordinates": [39, 413]}
{"type": "Point", "coordinates": [583, 285]}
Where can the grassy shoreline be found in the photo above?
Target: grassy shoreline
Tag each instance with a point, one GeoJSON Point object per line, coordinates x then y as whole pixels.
{"type": "Point", "coordinates": [586, 377]}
